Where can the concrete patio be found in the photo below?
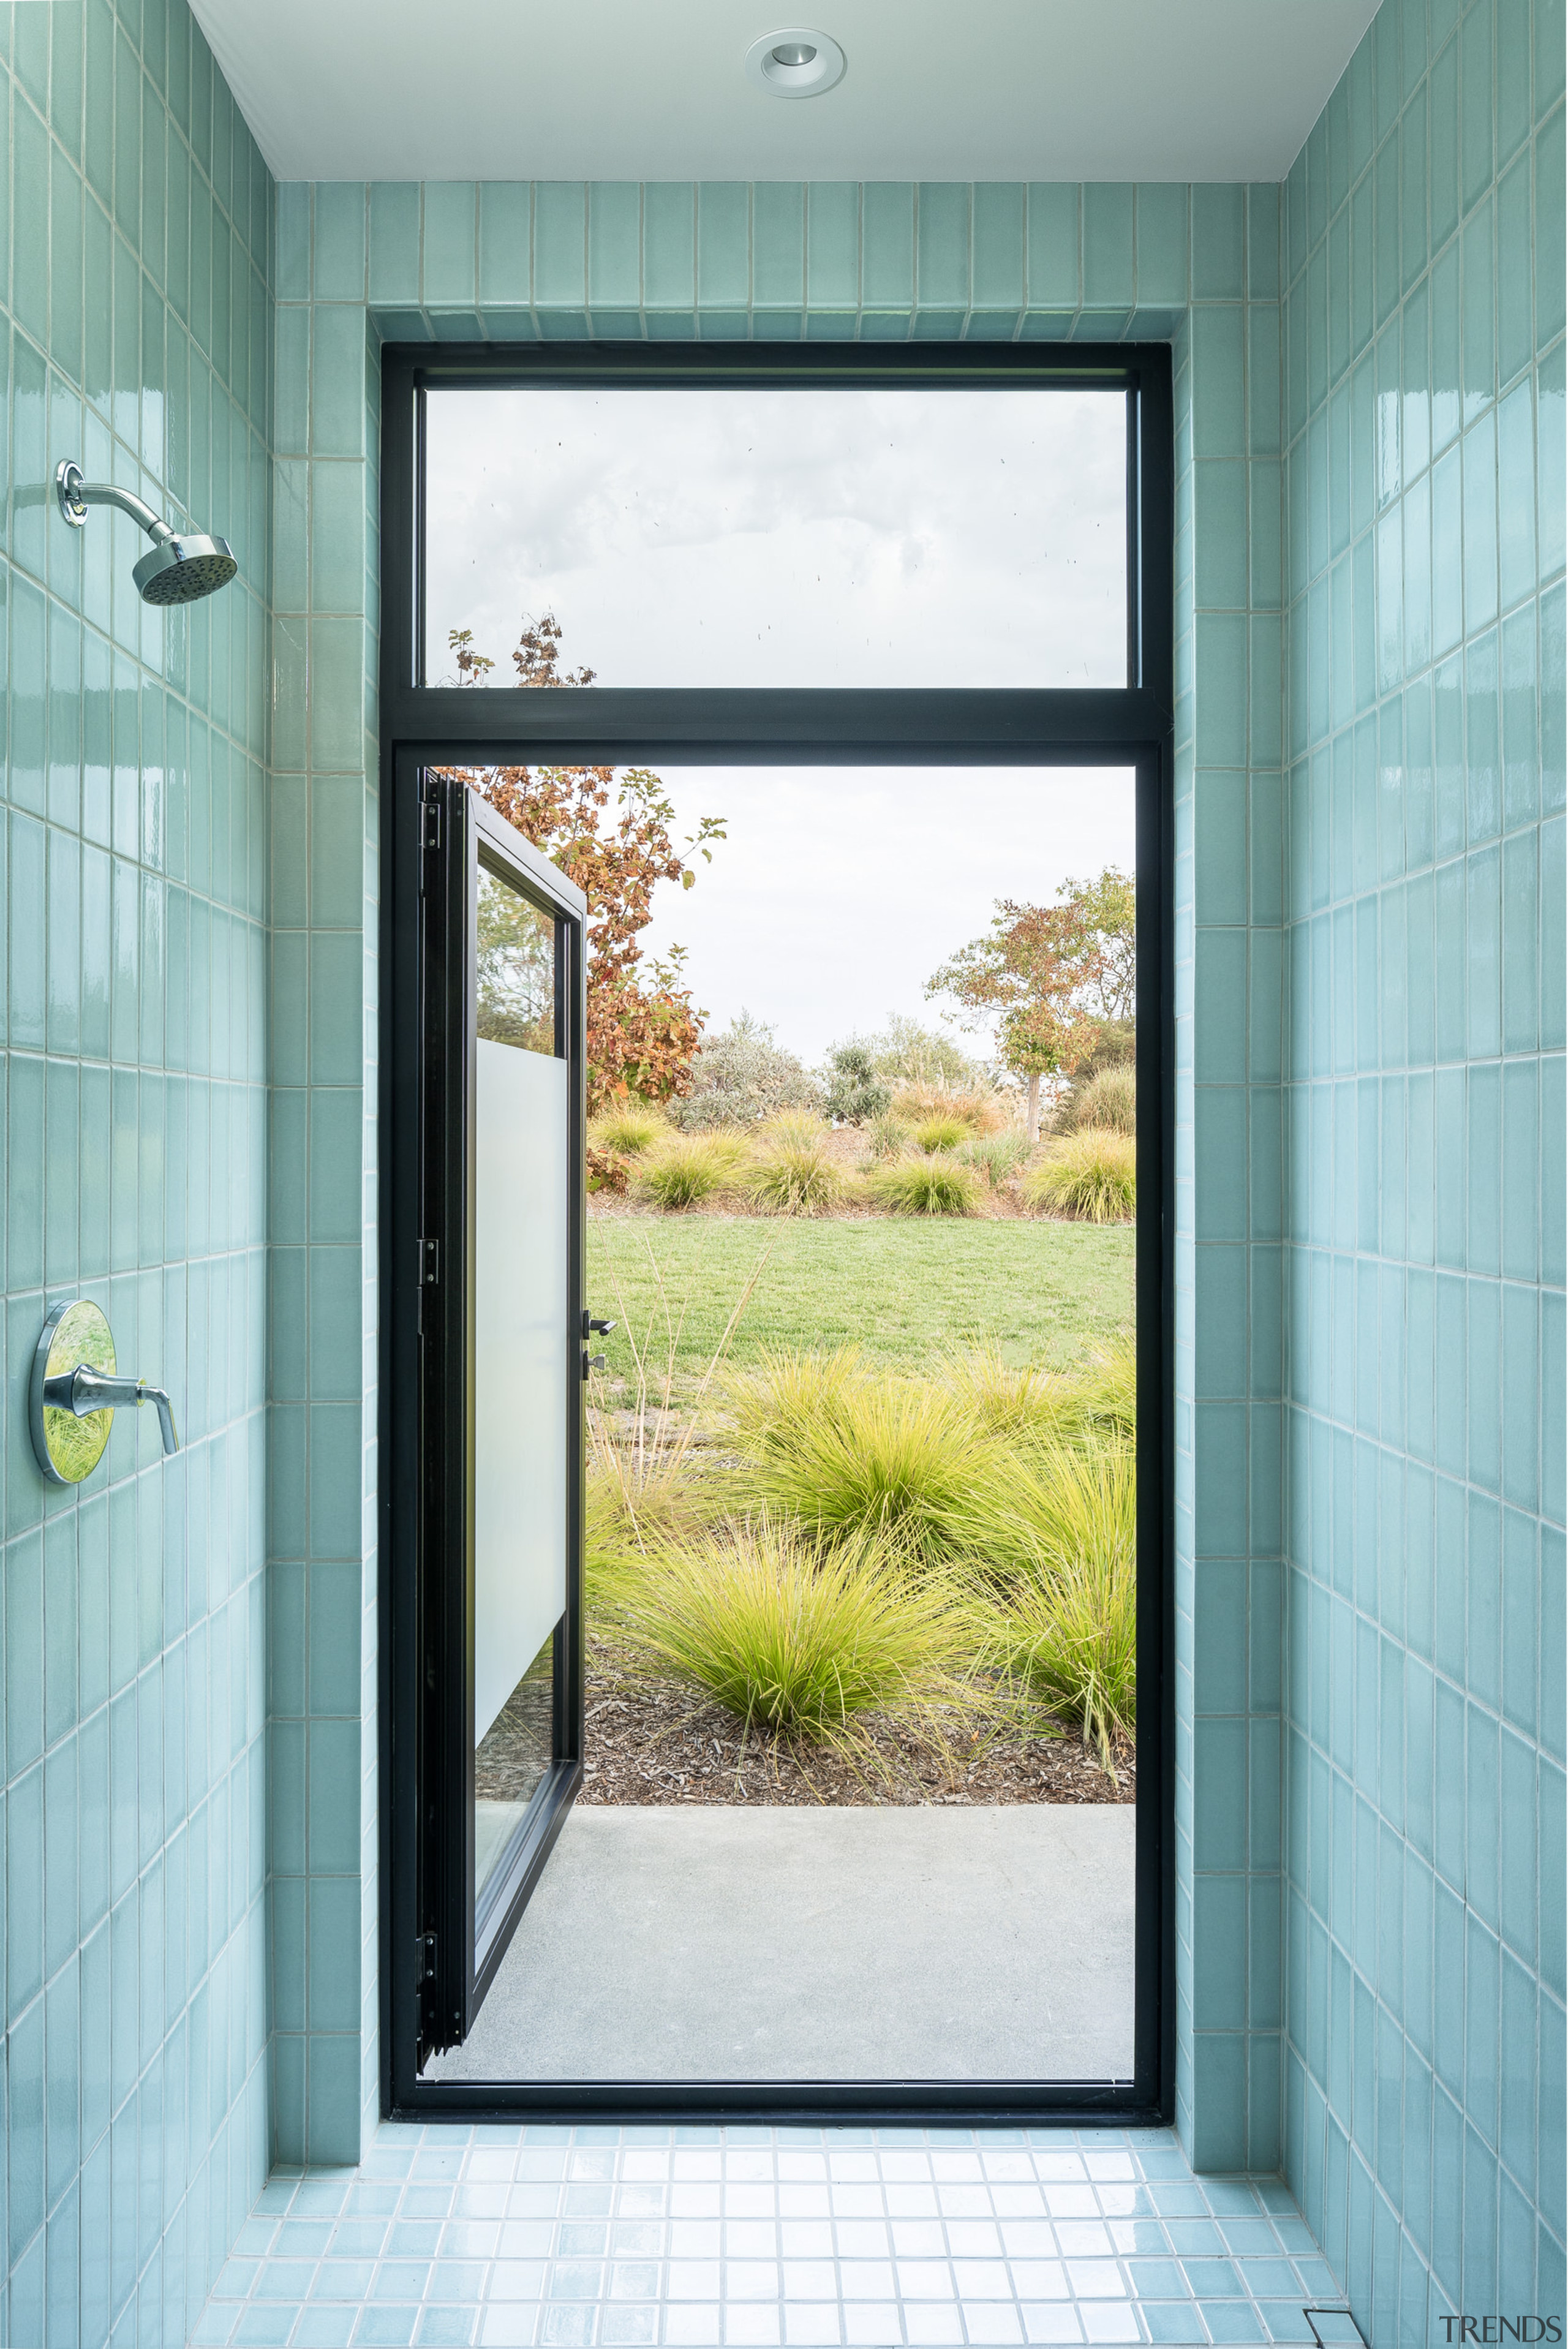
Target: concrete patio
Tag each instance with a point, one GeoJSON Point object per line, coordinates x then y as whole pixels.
{"type": "Point", "coordinates": [779, 1944]}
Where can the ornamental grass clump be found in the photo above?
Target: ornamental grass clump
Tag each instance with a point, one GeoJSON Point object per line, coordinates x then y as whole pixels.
{"type": "Point", "coordinates": [1091, 1176]}
{"type": "Point", "coordinates": [629, 1129]}
{"type": "Point", "coordinates": [687, 1169]}
{"type": "Point", "coordinates": [797, 1641]}
{"type": "Point", "coordinates": [935, 1134]}
{"type": "Point", "coordinates": [791, 1176]}
{"type": "Point", "coordinates": [997, 1156]}
{"type": "Point", "coordinates": [887, 1137]}
{"type": "Point", "coordinates": [1008, 1402]}
{"type": "Point", "coordinates": [1052, 1530]}
{"type": "Point", "coordinates": [927, 1186]}
{"type": "Point", "coordinates": [857, 1454]}
{"type": "Point", "coordinates": [1109, 1099]}
{"type": "Point", "coordinates": [975, 1108]}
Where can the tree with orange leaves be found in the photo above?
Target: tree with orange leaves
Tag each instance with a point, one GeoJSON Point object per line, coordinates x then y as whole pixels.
{"type": "Point", "coordinates": [1049, 978]}
{"type": "Point", "coordinates": [642, 1026]}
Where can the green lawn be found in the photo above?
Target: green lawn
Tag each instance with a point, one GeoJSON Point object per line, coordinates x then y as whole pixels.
{"type": "Point", "coordinates": [904, 1291]}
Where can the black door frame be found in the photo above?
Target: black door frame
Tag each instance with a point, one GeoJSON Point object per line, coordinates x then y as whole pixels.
{"type": "Point", "coordinates": [1130, 727]}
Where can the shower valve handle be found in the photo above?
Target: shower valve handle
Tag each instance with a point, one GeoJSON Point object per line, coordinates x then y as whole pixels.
{"type": "Point", "coordinates": [85, 1390]}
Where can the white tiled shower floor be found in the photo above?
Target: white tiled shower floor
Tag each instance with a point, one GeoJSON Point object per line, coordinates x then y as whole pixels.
{"type": "Point", "coordinates": [493, 2237]}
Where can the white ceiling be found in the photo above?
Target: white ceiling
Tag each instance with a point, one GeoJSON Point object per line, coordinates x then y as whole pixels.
{"type": "Point", "coordinates": [623, 89]}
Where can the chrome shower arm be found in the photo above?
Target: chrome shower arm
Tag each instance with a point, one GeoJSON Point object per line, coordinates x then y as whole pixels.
{"type": "Point", "coordinates": [85, 1390]}
{"type": "Point", "coordinates": [76, 495]}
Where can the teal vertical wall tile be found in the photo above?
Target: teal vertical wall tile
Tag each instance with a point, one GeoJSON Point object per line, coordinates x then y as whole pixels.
{"type": "Point", "coordinates": [508, 240]}
{"type": "Point", "coordinates": [1054, 247]}
{"type": "Point", "coordinates": [998, 282]}
{"type": "Point", "coordinates": [614, 246]}
{"type": "Point", "coordinates": [777, 232]}
{"type": "Point", "coordinates": [1219, 243]}
{"type": "Point", "coordinates": [943, 242]}
{"type": "Point", "coordinates": [1108, 246]}
{"type": "Point", "coordinates": [394, 241]}
{"type": "Point", "coordinates": [724, 245]}
{"type": "Point", "coordinates": [887, 245]}
{"type": "Point", "coordinates": [449, 257]}
{"type": "Point", "coordinates": [338, 247]}
{"type": "Point", "coordinates": [669, 226]}
{"type": "Point", "coordinates": [560, 245]}
{"type": "Point", "coordinates": [833, 246]}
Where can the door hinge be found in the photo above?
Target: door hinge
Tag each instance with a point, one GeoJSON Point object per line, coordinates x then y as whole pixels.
{"type": "Point", "coordinates": [429, 1263]}
{"type": "Point", "coordinates": [425, 1956]}
{"type": "Point", "coordinates": [431, 824]}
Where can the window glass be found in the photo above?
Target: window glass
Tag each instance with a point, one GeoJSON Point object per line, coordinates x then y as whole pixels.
{"type": "Point", "coordinates": [755, 536]}
{"type": "Point", "coordinates": [517, 974]}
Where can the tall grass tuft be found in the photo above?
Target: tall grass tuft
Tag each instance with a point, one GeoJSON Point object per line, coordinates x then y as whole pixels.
{"type": "Point", "coordinates": [1091, 1174]}
{"type": "Point", "coordinates": [1108, 1394]}
{"type": "Point", "coordinates": [792, 1129]}
{"type": "Point", "coordinates": [887, 1137]}
{"type": "Point", "coordinates": [794, 1177]}
{"type": "Point", "coordinates": [1108, 1099]}
{"type": "Point", "coordinates": [641, 1483]}
{"type": "Point", "coordinates": [688, 1168]}
{"type": "Point", "coordinates": [934, 1133]}
{"type": "Point", "coordinates": [1071, 1643]}
{"type": "Point", "coordinates": [1010, 1402]}
{"type": "Point", "coordinates": [974, 1106]}
{"type": "Point", "coordinates": [788, 1388]}
{"type": "Point", "coordinates": [1054, 1531]}
{"type": "Point", "coordinates": [926, 1186]}
{"type": "Point", "coordinates": [999, 1156]}
{"type": "Point", "coordinates": [630, 1128]}
{"type": "Point", "coordinates": [795, 1641]}
{"type": "Point", "coordinates": [885, 1455]}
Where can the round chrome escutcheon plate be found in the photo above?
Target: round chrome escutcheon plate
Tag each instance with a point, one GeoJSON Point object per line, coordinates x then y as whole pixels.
{"type": "Point", "coordinates": [68, 1448]}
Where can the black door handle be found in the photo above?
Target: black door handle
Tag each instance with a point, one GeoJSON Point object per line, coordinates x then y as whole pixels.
{"type": "Point", "coordinates": [590, 1325]}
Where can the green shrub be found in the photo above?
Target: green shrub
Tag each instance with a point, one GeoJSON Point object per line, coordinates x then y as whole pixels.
{"type": "Point", "coordinates": [935, 1134]}
{"type": "Point", "coordinates": [997, 1155]}
{"type": "Point", "coordinates": [794, 1177]}
{"type": "Point", "coordinates": [687, 1168]}
{"type": "Point", "coordinates": [852, 1090]}
{"type": "Point", "coordinates": [926, 1186]}
{"type": "Point", "coordinates": [629, 1129]}
{"type": "Point", "coordinates": [1109, 1099]}
{"type": "Point", "coordinates": [794, 1641]}
{"type": "Point", "coordinates": [741, 1075]}
{"type": "Point", "coordinates": [894, 1456]}
{"type": "Point", "coordinates": [1092, 1176]}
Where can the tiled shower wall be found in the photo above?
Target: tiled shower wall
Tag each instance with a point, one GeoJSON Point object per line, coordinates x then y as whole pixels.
{"type": "Point", "coordinates": [1424, 406]}
{"type": "Point", "coordinates": [134, 325]}
{"type": "Point", "coordinates": [1198, 267]}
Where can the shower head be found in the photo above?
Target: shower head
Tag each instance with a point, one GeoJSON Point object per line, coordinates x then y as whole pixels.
{"type": "Point", "coordinates": [182, 565]}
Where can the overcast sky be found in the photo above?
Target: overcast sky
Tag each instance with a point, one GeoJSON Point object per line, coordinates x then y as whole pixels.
{"type": "Point", "coordinates": [839, 891]}
{"type": "Point", "coordinates": [745, 537]}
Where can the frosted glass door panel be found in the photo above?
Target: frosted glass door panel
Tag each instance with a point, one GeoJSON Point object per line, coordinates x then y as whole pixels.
{"type": "Point", "coordinates": [519, 1365]}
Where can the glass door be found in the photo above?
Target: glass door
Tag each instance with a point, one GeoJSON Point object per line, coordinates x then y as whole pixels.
{"type": "Point", "coordinates": [499, 1369]}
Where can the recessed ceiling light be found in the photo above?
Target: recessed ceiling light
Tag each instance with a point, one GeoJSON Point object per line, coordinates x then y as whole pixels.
{"type": "Point", "coordinates": [795, 62]}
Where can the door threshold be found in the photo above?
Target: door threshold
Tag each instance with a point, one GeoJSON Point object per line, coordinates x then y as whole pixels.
{"type": "Point", "coordinates": [937, 2104]}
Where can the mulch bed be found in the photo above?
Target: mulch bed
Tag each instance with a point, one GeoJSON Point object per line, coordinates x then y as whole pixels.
{"type": "Point", "coordinates": [649, 1741]}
